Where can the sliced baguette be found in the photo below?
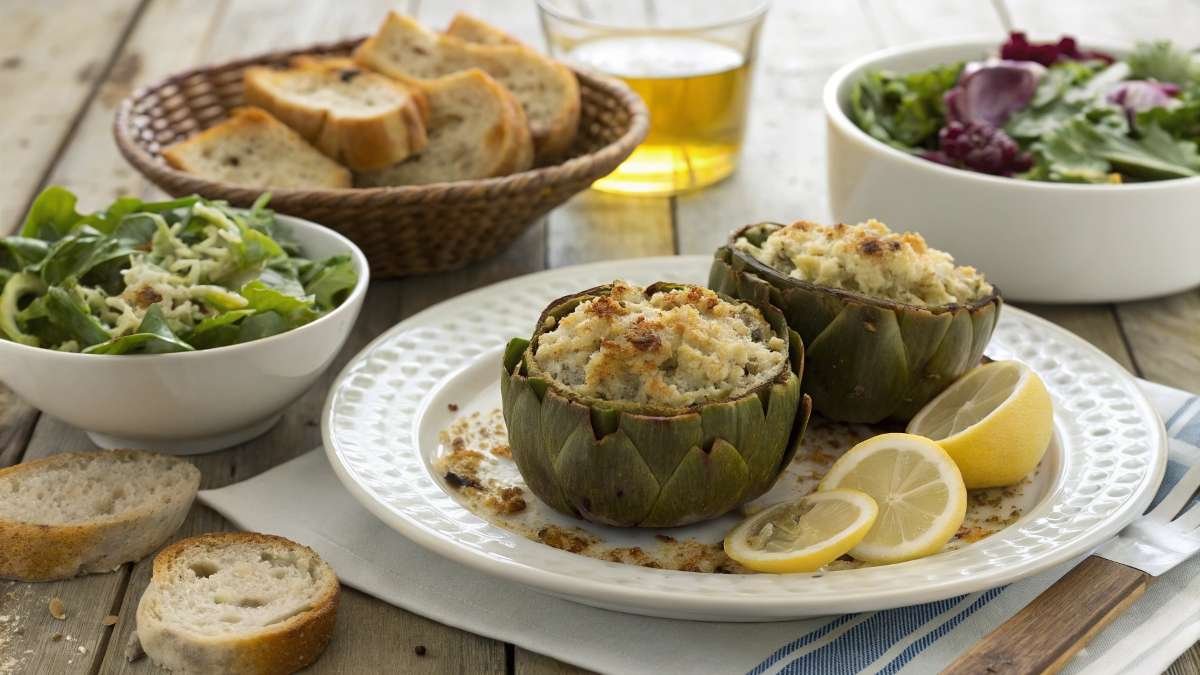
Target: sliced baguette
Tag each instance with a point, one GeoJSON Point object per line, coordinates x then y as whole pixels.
{"type": "Point", "coordinates": [237, 602]}
{"type": "Point", "coordinates": [471, 28]}
{"type": "Point", "coordinates": [253, 149]}
{"type": "Point", "coordinates": [547, 90]}
{"type": "Point", "coordinates": [358, 118]}
{"type": "Point", "coordinates": [88, 512]}
{"type": "Point", "coordinates": [477, 129]}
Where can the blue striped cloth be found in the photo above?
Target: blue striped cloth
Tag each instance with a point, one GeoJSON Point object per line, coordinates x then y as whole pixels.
{"type": "Point", "coordinates": [303, 500]}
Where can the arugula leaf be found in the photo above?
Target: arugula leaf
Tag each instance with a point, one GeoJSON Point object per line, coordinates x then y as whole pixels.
{"type": "Point", "coordinates": [68, 314]}
{"type": "Point", "coordinates": [17, 253]}
{"type": "Point", "coordinates": [331, 281]}
{"type": "Point", "coordinates": [263, 298]}
{"type": "Point", "coordinates": [904, 111]}
{"type": "Point", "coordinates": [1058, 98]}
{"type": "Point", "coordinates": [78, 252]}
{"type": "Point", "coordinates": [1079, 151]}
{"type": "Point", "coordinates": [153, 336]}
{"type": "Point", "coordinates": [1181, 120]}
{"type": "Point", "coordinates": [223, 319]}
{"type": "Point", "coordinates": [52, 214]}
{"type": "Point", "coordinates": [263, 324]}
{"type": "Point", "coordinates": [1163, 61]}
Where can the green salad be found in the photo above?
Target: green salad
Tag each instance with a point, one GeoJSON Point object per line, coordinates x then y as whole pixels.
{"type": "Point", "coordinates": [158, 277]}
{"type": "Point", "coordinates": [1049, 111]}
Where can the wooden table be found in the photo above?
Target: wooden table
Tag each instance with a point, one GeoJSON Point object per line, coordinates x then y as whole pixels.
{"type": "Point", "coordinates": [65, 65]}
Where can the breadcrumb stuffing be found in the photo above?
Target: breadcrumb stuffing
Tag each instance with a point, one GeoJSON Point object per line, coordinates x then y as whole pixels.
{"type": "Point", "coordinates": [675, 348]}
{"type": "Point", "coordinates": [869, 258]}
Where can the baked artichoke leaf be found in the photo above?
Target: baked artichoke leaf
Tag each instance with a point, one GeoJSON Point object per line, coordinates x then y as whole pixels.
{"type": "Point", "coordinates": [606, 480]}
{"type": "Point", "coordinates": [514, 352]}
{"type": "Point", "coordinates": [721, 420]}
{"type": "Point", "coordinates": [523, 414]}
{"type": "Point", "coordinates": [983, 320]}
{"type": "Point", "coordinates": [808, 312]}
{"type": "Point", "coordinates": [663, 441]}
{"type": "Point", "coordinates": [560, 417]}
{"type": "Point", "coordinates": [952, 358]}
{"type": "Point", "coordinates": [703, 486]}
{"type": "Point", "coordinates": [777, 428]}
{"type": "Point", "coordinates": [857, 368]}
{"type": "Point", "coordinates": [922, 333]}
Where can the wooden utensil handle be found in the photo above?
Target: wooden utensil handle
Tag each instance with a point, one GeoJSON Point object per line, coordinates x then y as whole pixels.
{"type": "Point", "coordinates": [1043, 636]}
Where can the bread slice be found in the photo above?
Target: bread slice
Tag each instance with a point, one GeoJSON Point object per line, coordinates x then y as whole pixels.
{"type": "Point", "coordinates": [547, 90]}
{"type": "Point", "coordinates": [237, 602]}
{"type": "Point", "coordinates": [358, 118]}
{"type": "Point", "coordinates": [473, 29]}
{"type": "Point", "coordinates": [253, 149]}
{"type": "Point", "coordinates": [477, 129]}
{"type": "Point", "coordinates": [86, 512]}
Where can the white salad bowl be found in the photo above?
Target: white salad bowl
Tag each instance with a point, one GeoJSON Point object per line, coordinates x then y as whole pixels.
{"type": "Point", "coordinates": [190, 402]}
{"type": "Point", "coordinates": [1041, 242]}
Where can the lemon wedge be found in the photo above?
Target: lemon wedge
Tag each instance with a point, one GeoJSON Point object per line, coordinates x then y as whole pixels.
{"type": "Point", "coordinates": [919, 491]}
{"type": "Point", "coordinates": [995, 421]}
{"type": "Point", "coordinates": [802, 535]}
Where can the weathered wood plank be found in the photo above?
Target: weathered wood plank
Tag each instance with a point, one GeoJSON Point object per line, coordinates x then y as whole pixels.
{"type": "Point", "coordinates": [1116, 20]}
{"type": "Point", "coordinates": [1164, 335]}
{"type": "Point", "coordinates": [597, 226]}
{"type": "Point", "coordinates": [897, 22]}
{"type": "Point", "coordinates": [53, 54]}
{"type": "Point", "coordinates": [94, 166]}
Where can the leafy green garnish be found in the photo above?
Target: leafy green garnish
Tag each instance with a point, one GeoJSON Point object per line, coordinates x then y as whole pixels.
{"type": "Point", "coordinates": [1163, 61]}
{"type": "Point", "coordinates": [148, 278]}
{"type": "Point", "coordinates": [331, 281]}
{"type": "Point", "coordinates": [1058, 98]}
{"type": "Point", "coordinates": [1181, 121]}
{"type": "Point", "coordinates": [263, 298]}
{"type": "Point", "coordinates": [1081, 152]}
{"type": "Point", "coordinates": [74, 317]}
{"type": "Point", "coordinates": [905, 111]}
{"type": "Point", "coordinates": [153, 336]}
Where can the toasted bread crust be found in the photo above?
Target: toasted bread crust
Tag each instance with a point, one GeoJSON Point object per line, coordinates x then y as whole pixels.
{"type": "Point", "coordinates": [255, 122]}
{"type": "Point", "coordinates": [553, 133]}
{"type": "Point", "coordinates": [361, 141]}
{"type": "Point", "coordinates": [470, 28]}
{"type": "Point", "coordinates": [279, 649]}
{"type": "Point", "coordinates": [35, 552]}
{"type": "Point", "coordinates": [504, 147]}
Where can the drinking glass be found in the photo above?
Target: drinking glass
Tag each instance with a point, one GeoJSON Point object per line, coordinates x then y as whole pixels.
{"type": "Point", "coordinates": [690, 62]}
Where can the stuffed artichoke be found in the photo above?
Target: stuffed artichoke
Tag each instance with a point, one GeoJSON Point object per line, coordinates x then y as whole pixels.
{"type": "Point", "coordinates": [653, 407]}
{"type": "Point", "coordinates": [888, 322]}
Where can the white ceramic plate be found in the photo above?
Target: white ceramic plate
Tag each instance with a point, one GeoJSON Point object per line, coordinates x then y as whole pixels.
{"type": "Point", "coordinates": [385, 410]}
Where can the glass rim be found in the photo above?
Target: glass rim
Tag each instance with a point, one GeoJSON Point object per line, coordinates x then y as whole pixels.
{"type": "Point", "coordinates": [757, 11]}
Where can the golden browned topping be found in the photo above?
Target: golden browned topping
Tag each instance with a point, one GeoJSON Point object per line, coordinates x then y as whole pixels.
{"type": "Point", "coordinates": [870, 259]}
{"type": "Point", "coordinates": [674, 349]}
{"type": "Point", "coordinates": [573, 540]}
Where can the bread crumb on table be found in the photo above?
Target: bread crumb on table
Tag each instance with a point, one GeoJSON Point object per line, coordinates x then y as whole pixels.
{"type": "Point", "coordinates": [109, 620]}
{"type": "Point", "coordinates": [57, 610]}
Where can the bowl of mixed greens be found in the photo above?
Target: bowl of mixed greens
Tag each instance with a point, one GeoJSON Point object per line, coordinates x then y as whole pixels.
{"type": "Point", "coordinates": [180, 326]}
{"type": "Point", "coordinates": [1069, 170]}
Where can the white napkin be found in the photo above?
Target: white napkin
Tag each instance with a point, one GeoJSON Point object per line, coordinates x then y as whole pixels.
{"type": "Point", "coordinates": [304, 501]}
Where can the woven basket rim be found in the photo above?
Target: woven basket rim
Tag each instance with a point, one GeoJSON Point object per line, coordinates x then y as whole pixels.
{"type": "Point", "coordinates": [572, 168]}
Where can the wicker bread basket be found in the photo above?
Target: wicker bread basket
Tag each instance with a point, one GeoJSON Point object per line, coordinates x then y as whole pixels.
{"type": "Point", "coordinates": [403, 230]}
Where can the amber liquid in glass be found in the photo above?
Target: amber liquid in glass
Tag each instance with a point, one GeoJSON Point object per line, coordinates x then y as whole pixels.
{"type": "Point", "coordinates": [696, 91]}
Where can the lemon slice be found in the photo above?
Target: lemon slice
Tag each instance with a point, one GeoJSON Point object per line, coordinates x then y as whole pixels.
{"type": "Point", "coordinates": [802, 535]}
{"type": "Point", "coordinates": [919, 491]}
{"type": "Point", "coordinates": [995, 421]}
